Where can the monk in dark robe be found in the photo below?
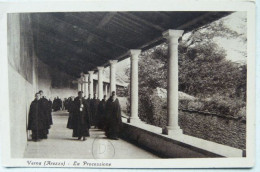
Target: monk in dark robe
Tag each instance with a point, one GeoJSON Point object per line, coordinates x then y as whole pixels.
{"type": "Point", "coordinates": [94, 109]}
{"type": "Point", "coordinates": [59, 103]}
{"type": "Point", "coordinates": [101, 113]}
{"type": "Point", "coordinates": [88, 100]}
{"type": "Point", "coordinates": [113, 116]}
{"type": "Point", "coordinates": [47, 116]}
{"type": "Point", "coordinates": [80, 117]}
{"type": "Point", "coordinates": [36, 121]}
{"type": "Point", "coordinates": [70, 110]}
{"type": "Point", "coordinates": [55, 104]}
{"type": "Point", "coordinates": [65, 104]}
{"type": "Point", "coordinates": [49, 111]}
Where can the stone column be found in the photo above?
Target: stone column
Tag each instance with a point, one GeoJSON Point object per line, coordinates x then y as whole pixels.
{"type": "Point", "coordinates": [172, 37]}
{"type": "Point", "coordinates": [112, 75]}
{"type": "Point", "coordinates": [106, 92]}
{"type": "Point", "coordinates": [91, 83]}
{"type": "Point", "coordinates": [100, 82]}
{"type": "Point", "coordinates": [134, 54]}
{"type": "Point", "coordinates": [85, 85]}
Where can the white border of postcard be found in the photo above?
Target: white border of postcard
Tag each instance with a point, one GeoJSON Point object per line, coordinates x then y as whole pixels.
{"type": "Point", "coordinates": [133, 5]}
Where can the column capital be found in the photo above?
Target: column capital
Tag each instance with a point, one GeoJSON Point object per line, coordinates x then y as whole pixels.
{"type": "Point", "coordinates": [100, 68]}
{"type": "Point", "coordinates": [134, 52]}
{"type": "Point", "coordinates": [80, 80]}
{"type": "Point", "coordinates": [86, 76]}
{"type": "Point", "coordinates": [168, 34]}
{"type": "Point", "coordinates": [91, 72]}
{"type": "Point", "coordinates": [112, 62]}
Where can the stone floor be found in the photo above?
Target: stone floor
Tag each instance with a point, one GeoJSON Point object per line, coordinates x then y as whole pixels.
{"type": "Point", "coordinates": [60, 144]}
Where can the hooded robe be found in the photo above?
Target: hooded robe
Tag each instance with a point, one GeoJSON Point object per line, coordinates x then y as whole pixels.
{"type": "Point", "coordinates": [113, 116]}
{"type": "Point", "coordinates": [37, 120]}
{"type": "Point", "coordinates": [80, 118]}
{"type": "Point", "coordinates": [94, 111]}
{"type": "Point", "coordinates": [70, 110]}
{"type": "Point", "coordinates": [101, 114]}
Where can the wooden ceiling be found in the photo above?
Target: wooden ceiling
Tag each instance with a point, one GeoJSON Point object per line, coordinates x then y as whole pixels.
{"type": "Point", "coordinates": [80, 41]}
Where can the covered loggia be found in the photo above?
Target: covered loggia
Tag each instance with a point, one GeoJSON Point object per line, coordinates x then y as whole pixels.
{"type": "Point", "coordinates": [74, 47]}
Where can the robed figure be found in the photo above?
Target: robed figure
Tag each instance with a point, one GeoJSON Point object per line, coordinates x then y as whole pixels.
{"type": "Point", "coordinates": [37, 119]}
{"type": "Point", "coordinates": [94, 111]}
{"type": "Point", "coordinates": [49, 106]}
{"type": "Point", "coordinates": [55, 104]}
{"type": "Point", "coordinates": [64, 104]}
{"type": "Point", "coordinates": [101, 113]}
{"type": "Point", "coordinates": [45, 107]}
{"type": "Point", "coordinates": [70, 110]}
{"type": "Point", "coordinates": [113, 116]}
{"type": "Point", "coordinates": [80, 118]}
{"type": "Point", "coordinates": [59, 103]}
{"type": "Point", "coordinates": [88, 100]}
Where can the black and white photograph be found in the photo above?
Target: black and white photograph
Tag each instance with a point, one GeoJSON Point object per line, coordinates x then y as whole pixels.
{"type": "Point", "coordinates": [94, 88]}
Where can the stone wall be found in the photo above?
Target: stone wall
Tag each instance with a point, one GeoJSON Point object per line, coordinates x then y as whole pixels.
{"type": "Point", "coordinates": [227, 131]}
{"type": "Point", "coordinates": [212, 127]}
{"type": "Point", "coordinates": [27, 75]}
{"type": "Point", "coordinates": [21, 83]}
{"type": "Point", "coordinates": [20, 96]}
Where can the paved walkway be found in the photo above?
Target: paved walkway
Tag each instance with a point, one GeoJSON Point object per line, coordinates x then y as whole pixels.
{"type": "Point", "coordinates": [60, 144]}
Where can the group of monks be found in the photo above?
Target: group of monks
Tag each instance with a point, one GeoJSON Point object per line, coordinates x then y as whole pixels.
{"type": "Point", "coordinates": [57, 104]}
{"type": "Point", "coordinates": [83, 114]}
{"type": "Point", "coordinates": [102, 114]}
{"type": "Point", "coordinates": [40, 118]}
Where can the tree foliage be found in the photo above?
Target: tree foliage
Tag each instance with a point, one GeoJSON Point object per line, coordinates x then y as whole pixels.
{"type": "Point", "coordinates": [204, 71]}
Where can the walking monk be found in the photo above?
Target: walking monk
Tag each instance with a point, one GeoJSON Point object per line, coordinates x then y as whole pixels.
{"type": "Point", "coordinates": [80, 117]}
{"type": "Point", "coordinates": [113, 115]}
{"type": "Point", "coordinates": [37, 119]}
{"type": "Point", "coordinates": [102, 113]}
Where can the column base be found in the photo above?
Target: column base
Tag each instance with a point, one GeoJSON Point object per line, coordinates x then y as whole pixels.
{"type": "Point", "coordinates": [133, 120]}
{"type": "Point", "coordinates": [172, 131]}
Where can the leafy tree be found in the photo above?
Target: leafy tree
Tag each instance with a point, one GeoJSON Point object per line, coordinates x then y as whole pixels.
{"type": "Point", "coordinates": [204, 71]}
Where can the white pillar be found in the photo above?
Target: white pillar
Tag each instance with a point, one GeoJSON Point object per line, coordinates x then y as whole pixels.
{"type": "Point", "coordinates": [85, 85]}
{"type": "Point", "coordinates": [100, 82]}
{"type": "Point", "coordinates": [106, 92]}
{"type": "Point", "coordinates": [112, 75]}
{"type": "Point", "coordinates": [134, 54]}
{"type": "Point", "coordinates": [173, 127]}
{"type": "Point", "coordinates": [91, 83]}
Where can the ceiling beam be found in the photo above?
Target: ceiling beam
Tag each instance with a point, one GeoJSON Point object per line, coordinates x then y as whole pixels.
{"type": "Point", "coordinates": [126, 29]}
{"type": "Point", "coordinates": [52, 24]}
{"type": "Point", "coordinates": [108, 16]}
{"type": "Point", "coordinates": [134, 24]}
{"type": "Point", "coordinates": [143, 21]}
{"type": "Point", "coordinates": [199, 21]}
{"type": "Point", "coordinates": [93, 32]}
{"type": "Point", "coordinates": [160, 39]}
{"type": "Point", "coordinates": [77, 42]}
{"type": "Point", "coordinates": [81, 52]}
{"type": "Point", "coordinates": [65, 63]}
{"type": "Point", "coordinates": [71, 69]}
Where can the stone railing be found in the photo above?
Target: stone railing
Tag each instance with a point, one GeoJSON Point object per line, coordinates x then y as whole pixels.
{"type": "Point", "coordinates": [180, 146]}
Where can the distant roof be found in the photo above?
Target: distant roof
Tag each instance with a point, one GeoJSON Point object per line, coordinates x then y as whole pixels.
{"type": "Point", "coordinates": [76, 42]}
